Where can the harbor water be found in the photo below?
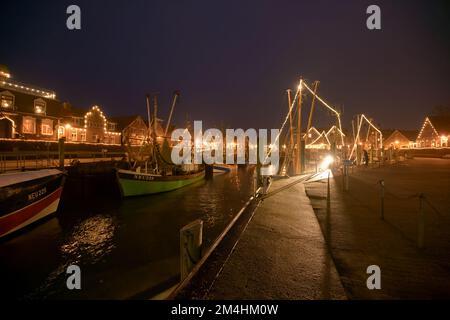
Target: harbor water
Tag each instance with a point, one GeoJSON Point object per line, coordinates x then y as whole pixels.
{"type": "Point", "coordinates": [125, 248]}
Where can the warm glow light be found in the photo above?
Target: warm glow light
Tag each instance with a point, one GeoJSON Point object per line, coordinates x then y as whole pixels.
{"type": "Point", "coordinates": [326, 162]}
{"type": "Point", "coordinates": [68, 126]}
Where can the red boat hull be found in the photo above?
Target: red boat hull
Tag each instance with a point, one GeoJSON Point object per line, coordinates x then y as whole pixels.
{"type": "Point", "coordinates": [27, 202]}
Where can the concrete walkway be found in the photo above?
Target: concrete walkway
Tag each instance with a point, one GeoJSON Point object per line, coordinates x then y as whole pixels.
{"type": "Point", "coordinates": [358, 237]}
{"type": "Point", "coordinates": [281, 255]}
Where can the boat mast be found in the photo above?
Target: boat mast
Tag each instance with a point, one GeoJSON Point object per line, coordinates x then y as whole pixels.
{"type": "Point", "coordinates": [155, 122]}
{"type": "Point", "coordinates": [175, 96]}
{"type": "Point", "coordinates": [147, 96]}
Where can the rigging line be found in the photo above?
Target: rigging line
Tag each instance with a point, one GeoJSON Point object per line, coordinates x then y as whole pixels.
{"type": "Point", "coordinates": [321, 100]}
{"type": "Point", "coordinates": [285, 121]}
{"type": "Point", "coordinates": [338, 115]}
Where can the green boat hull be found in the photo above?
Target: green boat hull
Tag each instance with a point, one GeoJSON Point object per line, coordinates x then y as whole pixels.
{"type": "Point", "coordinates": [138, 184]}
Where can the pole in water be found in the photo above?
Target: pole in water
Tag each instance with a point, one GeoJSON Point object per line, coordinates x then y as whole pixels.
{"type": "Point", "coordinates": [191, 238]}
{"type": "Point", "coordinates": [382, 199]}
{"type": "Point", "coordinates": [421, 223]}
{"type": "Point", "coordinates": [61, 152]}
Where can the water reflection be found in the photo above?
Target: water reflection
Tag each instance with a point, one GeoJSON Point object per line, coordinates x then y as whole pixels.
{"type": "Point", "coordinates": [123, 247]}
{"type": "Point", "coordinates": [90, 240]}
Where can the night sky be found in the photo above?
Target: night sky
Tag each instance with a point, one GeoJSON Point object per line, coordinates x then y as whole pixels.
{"type": "Point", "coordinates": [233, 60]}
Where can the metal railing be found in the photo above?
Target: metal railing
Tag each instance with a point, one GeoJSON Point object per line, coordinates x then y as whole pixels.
{"type": "Point", "coordinates": [30, 160]}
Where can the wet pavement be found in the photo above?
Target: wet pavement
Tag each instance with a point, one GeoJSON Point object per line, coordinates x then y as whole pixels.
{"type": "Point", "coordinates": [358, 237]}
{"type": "Point", "coordinates": [281, 255]}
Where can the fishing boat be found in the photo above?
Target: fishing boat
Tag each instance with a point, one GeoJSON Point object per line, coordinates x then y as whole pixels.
{"type": "Point", "coordinates": [154, 172]}
{"type": "Point", "coordinates": [26, 197]}
{"type": "Point", "coordinates": [134, 183]}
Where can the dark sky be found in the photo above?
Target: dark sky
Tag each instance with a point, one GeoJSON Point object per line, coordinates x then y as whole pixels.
{"type": "Point", "coordinates": [233, 60]}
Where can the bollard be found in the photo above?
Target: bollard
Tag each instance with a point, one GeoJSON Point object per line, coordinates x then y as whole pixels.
{"type": "Point", "coordinates": [421, 223]}
{"type": "Point", "coordinates": [191, 238]}
{"type": "Point", "coordinates": [382, 200]}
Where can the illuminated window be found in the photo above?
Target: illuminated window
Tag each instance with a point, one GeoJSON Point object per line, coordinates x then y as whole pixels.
{"type": "Point", "coordinates": [29, 125]}
{"type": "Point", "coordinates": [111, 126]}
{"type": "Point", "coordinates": [74, 135]}
{"type": "Point", "coordinates": [47, 127]}
{"type": "Point", "coordinates": [61, 132]}
{"type": "Point", "coordinates": [83, 135]}
{"type": "Point", "coordinates": [39, 106]}
{"type": "Point", "coordinates": [7, 100]}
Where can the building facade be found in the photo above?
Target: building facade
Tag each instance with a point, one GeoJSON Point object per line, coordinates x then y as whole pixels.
{"type": "Point", "coordinates": [435, 132]}
{"type": "Point", "coordinates": [400, 139]}
{"type": "Point", "coordinates": [34, 114]}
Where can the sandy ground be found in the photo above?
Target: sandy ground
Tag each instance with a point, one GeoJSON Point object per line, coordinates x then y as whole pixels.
{"type": "Point", "coordinates": [358, 237]}
{"type": "Point", "coordinates": [281, 255]}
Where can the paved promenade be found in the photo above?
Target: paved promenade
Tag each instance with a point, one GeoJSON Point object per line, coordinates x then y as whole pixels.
{"type": "Point", "coordinates": [282, 254]}
{"type": "Point", "coordinates": [358, 237]}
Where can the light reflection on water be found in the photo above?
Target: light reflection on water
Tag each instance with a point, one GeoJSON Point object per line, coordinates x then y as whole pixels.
{"type": "Point", "coordinates": [123, 247]}
{"type": "Point", "coordinates": [90, 240]}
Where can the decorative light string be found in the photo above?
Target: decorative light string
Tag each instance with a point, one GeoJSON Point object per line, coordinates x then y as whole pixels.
{"type": "Point", "coordinates": [338, 115]}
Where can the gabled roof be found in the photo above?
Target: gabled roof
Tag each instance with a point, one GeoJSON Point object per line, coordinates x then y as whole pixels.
{"type": "Point", "coordinates": [321, 139]}
{"type": "Point", "coordinates": [124, 121]}
{"type": "Point", "coordinates": [410, 135]}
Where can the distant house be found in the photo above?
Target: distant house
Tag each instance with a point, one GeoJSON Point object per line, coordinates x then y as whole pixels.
{"type": "Point", "coordinates": [34, 114]}
{"type": "Point", "coordinates": [317, 139]}
{"type": "Point", "coordinates": [311, 136]}
{"type": "Point", "coordinates": [335, 136]}
{"type": "Point", "coordinates": [435, 132]}
{"type": "Point", "coordinates": [399, 139]}
{"type": "Point", "coordinates": [88, 127]}
{"type": "Point", "coordinates": [323, 139]}
{"type": "Point", "coordinates": [134, 130]}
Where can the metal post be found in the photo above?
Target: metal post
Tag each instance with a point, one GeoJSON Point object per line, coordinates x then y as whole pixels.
{"type": "Point", "coordinates": [345, 177]}
{"type": "Point", "coordinates": [264, 185]}
{"type": "Point", "coordinates": [382, 199]}
{"type": "Point", "coordinates": [328, 194]}
{"type": "Point", "coordinates": [255, 182]}
{"type": "Point", "coordinates": [191, 238]}
{"type": "Point", "coordinates": [61, 152]}
{"type": "Point", "coordinates": [421, 223]}
{"type": "Point", "coordinates": [298, 167]}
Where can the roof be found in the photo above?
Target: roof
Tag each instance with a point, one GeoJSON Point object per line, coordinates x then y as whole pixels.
{"type": "Point", "coordinates": [441, 124]}
{"type": "Point", "coordinates": [68, 110]}
{"type": "Point", "coordinates": [25, 102]}
{"type": "Point", "coordinates": [410, 135]}
{"type": "Point", "coordinates": [124, 121]}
